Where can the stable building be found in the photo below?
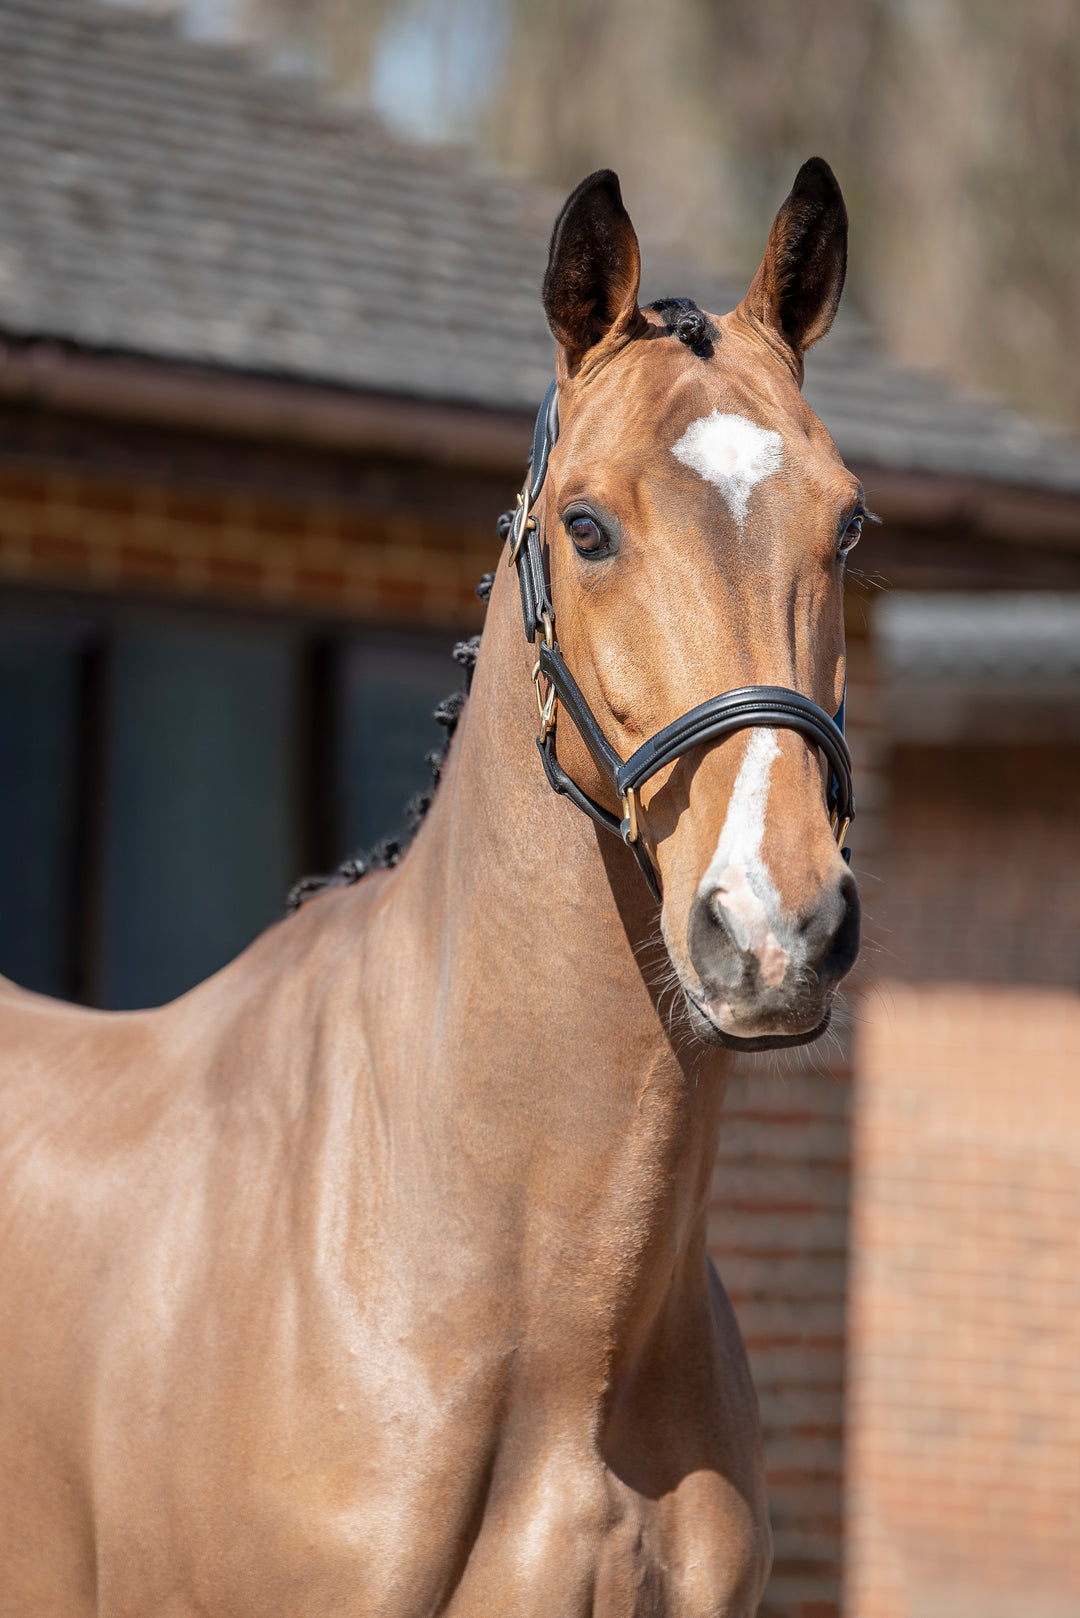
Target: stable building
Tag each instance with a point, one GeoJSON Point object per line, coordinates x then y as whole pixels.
{"type": "Point", "coordinates": [267, 379]}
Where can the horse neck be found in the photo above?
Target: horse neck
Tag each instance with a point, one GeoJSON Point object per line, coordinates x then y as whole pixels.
{"type": "Point", "coordinates": [553, 1065]}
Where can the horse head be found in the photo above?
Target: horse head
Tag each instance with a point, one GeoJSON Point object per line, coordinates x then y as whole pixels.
{"type": "Point", "coordinates": [694, 521]}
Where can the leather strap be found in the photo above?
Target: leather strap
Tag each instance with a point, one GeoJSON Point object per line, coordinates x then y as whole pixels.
{"type": "Point", "coordinates": [575, 707]}
{"type": "Point", "coordinates": [771, 705]}
{"type": "Point", "coordinates": [525, 548]}
{"type": "Point", "coordinates": [545, 432]}
{"type": "Point", "coordinates": [564, 784]}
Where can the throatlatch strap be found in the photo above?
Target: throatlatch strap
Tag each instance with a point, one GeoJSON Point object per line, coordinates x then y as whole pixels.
{"type": "Point", "coordinates": [545, 432]}
{"type": "Point", "coordinates": [532, 574]}
{"type": "Point", "coordinates": [567, 787]}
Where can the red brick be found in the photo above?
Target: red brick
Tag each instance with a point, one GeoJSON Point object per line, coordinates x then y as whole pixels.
{"type": "Point", "coordinates": [197, 508]}
{"type": "Point", "coordinates": [288, 521]}
{"type": "Point", "coordinates": [111, 499]}
{"type": "Point", "coordinates": [234, 572]}
{"type": "Point", "coordinates": [60, 547]}
{"type": "Point", "coordinates": [18, 483]}
{"type": "Point", "coordinates": [402, 595]}
{"type": "Point", "coordinates": [360, 527]}
{"type": "Point", "coordinates": [147, 562]}
{"type": "Point", "coordinates": [321, 581]}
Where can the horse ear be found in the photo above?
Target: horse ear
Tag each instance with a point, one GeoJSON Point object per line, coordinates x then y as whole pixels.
{"type": "Point", "coordinates": [797, 290]}
{"type": "Point", "coordinates": [594, 267]}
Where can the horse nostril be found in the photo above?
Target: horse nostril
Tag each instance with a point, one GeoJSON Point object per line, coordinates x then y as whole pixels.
{"type": "Point", "coordinates": [734, 933]}
{"type": "Point", "coordinates": [713, 949]}
{"type": "Point", "coordinates": [844, 948]}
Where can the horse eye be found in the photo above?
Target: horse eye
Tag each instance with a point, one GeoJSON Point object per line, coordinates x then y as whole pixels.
{"type": "Point", "coordinates": [587, 535]}
{"type": "Point", "coordinates": [852, 535]}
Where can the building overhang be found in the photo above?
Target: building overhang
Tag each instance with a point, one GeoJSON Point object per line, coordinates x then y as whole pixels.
{"type": "Point", "coordinates": [59, 377]}
{"type": "Point", "coordinates": [277, 409]}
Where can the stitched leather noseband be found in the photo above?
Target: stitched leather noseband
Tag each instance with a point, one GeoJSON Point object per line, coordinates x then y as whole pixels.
{"type": "Point", "coordinates": [774, 706]}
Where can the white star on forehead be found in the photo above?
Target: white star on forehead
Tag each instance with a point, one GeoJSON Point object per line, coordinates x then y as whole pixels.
{"type": "Point", "coordinates": [732, 453]}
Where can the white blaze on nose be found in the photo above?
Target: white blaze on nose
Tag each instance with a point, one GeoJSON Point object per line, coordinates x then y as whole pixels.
{"type": "Point", "coordinates": [732, 453]}
{"type": "Point", "coordinates": [737, 878]}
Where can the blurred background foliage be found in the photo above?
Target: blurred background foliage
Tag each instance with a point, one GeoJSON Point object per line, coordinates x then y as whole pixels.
{"type": "Point", "coordinates": [953, 126]}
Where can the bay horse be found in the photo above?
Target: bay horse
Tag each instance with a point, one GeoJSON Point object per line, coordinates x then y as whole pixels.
{"type": "Point", "coordinates": [370, 1276]}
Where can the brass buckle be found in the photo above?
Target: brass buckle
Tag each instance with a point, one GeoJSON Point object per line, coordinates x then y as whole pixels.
{"type": "Point", "coordinates": [523, 522]}
{"type": "Point", "coordinates": [629, 827]}
{"type": "Point", "coordinates": [839, 827]}
{"type": "Point", "coordinates": [547, 707]}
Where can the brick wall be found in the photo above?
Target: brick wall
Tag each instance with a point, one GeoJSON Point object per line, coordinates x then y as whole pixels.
{"type": "Point", "coordinates": [963, 1458]}
{"type": "Point", "coordinates": [778, 1235]}
{"type": "Point", "coordinates": [68, 529]}
{"type": "Point", "coordinates": [964, 1320]}
{"type": "Point", "coordinates": [984, 865]}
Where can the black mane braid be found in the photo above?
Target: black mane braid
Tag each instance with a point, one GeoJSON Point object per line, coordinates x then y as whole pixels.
{"type": "Point", "coordinates": [684, 320]}
{"type": "Point", "coordinates": [388, 850]}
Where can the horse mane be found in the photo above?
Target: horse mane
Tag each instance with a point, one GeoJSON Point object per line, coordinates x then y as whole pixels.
{"type": "Point", "coordinates": [684, 320]}
{"type": "Point", "coordinates": [387, 852]}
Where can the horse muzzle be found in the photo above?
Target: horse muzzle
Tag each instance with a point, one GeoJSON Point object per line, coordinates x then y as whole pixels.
{"type": "Point", "coordinates": [765, 979]}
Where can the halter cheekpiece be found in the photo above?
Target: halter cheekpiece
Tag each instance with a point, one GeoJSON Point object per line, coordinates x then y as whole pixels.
{"type": "Point", "coordinates": [774, 706]}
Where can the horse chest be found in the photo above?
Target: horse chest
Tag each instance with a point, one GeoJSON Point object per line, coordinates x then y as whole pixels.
{"type": "Point", "coordinates": [379, 1492]}
{"type": "Point", "coordinates": [566, 1539]}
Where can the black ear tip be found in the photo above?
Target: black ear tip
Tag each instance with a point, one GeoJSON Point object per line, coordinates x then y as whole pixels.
{"type": "Point", "coordinates": [604, 181]}
{"type": "Point", "coordinates": [816, 180]}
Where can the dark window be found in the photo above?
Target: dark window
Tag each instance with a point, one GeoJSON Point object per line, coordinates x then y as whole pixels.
{"type": "Point", "coordinates": [200, 842]}
{"type": "Point", "coordinates": [40, 687]}
{"type": "Point", "coordinates": [387, 695]}
{"type": "Point", "coordinates": [160, 788]}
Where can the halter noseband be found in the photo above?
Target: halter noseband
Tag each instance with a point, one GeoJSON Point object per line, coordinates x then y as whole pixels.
{"type": "Point", "coordinates": [774, 706]}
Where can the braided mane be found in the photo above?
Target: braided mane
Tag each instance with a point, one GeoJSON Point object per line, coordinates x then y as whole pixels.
{"type": "Point", "coordinates": [386, 853]}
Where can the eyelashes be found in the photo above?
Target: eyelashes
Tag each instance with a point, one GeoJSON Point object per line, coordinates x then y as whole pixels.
{"type": "Point", "coordinates": [589, 535]}
{"type": "Point", "coordinates": [851, 535]}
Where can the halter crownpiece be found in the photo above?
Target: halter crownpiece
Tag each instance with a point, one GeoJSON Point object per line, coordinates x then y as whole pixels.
{"type": "Point", "coordinates": [774, 706]}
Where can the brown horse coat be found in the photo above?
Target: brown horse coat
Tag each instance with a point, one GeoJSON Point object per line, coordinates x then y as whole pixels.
{"type": "Point", "coordinates": [369, 1277]}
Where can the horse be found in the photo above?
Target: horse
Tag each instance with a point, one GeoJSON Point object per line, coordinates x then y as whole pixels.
{"type": "Point", "coordinates": [370, 1276]}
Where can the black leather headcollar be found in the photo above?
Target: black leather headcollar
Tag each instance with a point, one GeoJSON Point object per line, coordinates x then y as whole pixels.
{"type": "Point", "coordinates": [769, 705]}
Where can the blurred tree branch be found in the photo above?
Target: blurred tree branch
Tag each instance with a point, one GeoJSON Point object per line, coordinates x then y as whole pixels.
{"type": "Point", "coordinates": [953, 125]}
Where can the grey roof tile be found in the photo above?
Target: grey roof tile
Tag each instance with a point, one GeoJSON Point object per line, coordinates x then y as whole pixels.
{"type": "Point", "coordinates": [162, 197]}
